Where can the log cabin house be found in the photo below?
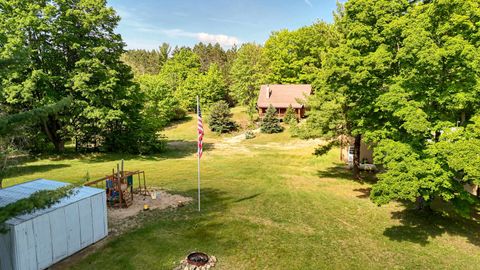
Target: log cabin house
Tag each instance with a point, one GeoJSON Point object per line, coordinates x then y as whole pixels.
{"type": "Point", "coordinates": [280, 96]}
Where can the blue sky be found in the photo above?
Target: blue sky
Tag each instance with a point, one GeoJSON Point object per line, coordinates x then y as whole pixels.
{"type": "Point", "coordinates": [146, 24]}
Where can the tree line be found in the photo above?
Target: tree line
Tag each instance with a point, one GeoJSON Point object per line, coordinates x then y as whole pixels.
{"type": "Point", "coordinates": [402, 75]}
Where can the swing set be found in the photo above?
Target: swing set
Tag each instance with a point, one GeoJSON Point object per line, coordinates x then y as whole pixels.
{"type": "Point", "coordinates": [119, 186]}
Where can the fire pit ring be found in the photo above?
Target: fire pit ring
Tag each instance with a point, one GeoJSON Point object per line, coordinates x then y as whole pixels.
{"type": "Point", "coordinates": [197, 258]}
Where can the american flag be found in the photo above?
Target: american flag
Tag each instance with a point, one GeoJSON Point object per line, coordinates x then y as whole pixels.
{"type": "Point", "coordinates": [200, 132]}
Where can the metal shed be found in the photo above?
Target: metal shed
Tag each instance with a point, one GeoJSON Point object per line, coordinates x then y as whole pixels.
{"type": "Point", "coordinates": [44, 237]}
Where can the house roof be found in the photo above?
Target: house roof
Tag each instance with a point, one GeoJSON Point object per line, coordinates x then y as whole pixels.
{"type": "Point", "coordinates": [282, 95]}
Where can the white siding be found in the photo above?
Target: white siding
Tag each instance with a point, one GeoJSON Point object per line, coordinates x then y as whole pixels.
{"type": "Point", "coordinates": [39, 240]}
{"type": "Point", "coordinates": [5, 248]}
{"type": "Point", "coordinates": [59, 234]}
{"type": "Point", "coordinates": [72, 219]}
{"type": "Point", "coordinates": [24, 255]}
{"type": "Point", "coordinates": [98, 217]}
{"type": "Point", "coordinates": [43, 244]}
{"type": "Point", "coordinates": [105, 214]}
{"type": "Point", "coordinates": [86, 228]}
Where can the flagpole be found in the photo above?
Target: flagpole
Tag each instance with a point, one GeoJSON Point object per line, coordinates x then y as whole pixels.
{"type": "Point", "coordinates": [198, 160]}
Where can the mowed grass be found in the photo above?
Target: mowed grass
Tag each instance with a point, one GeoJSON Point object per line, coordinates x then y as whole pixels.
{"type": "Point", "coordinates": [267, 203]}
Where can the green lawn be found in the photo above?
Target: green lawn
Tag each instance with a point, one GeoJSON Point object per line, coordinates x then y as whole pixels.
{"type": "Point", "coordinates": [268, 203]}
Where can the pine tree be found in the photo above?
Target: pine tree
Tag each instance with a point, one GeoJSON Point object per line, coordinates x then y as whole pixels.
{"type": "Point", "coordinates": [289, 115]}
{"type": "Point", "coordinates": [220, 118]}
{"type": "Point", "coordinates": [270, 122]}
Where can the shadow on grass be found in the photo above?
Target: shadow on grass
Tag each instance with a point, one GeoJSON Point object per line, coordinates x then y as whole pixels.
{"type": "Point", "coordinates": [365, 192]}
{"type": "Point", "coordinates": [169, 235]}
{"type": "Point", "coordinates": [248, 197]}
{"type": "Point", "coordinates": [421, 226]}
{"type": "Point", "coordinates": [175, 123]}
{"type": "Point", "coordinates": [179, 149]}
{"type": "Point", "coordinates": [174, 149]}
{"type": "Point", "coordinates": [30, 169]}
{"type": "Point", "coordinates": [164, 236]}
{"type": "Point", "coordinates": [341, 171]}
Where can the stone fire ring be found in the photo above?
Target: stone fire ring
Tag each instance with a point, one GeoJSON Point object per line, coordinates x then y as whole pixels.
{"type": "Point", "coordinates": [197, 261]}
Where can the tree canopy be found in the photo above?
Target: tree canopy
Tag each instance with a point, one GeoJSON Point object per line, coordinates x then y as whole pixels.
{"type": "Point", "coordinates": [70, 48]}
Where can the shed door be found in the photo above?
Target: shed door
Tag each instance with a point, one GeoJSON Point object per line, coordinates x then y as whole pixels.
{"type": "Point", "coordinates": [72, 220]}
{"type": "Point", "coordinates": [98, 213]}
{"type": "Point", "coordinates": [59, 234]}
{"type": "Point", "coordinates": [25, 256]}
{"type": "Point", "coordinates": [43, 242]}
{"type": "Point", "coordinates": [6, 251]}
{"type": "Point", "coordinates": [86, 228]}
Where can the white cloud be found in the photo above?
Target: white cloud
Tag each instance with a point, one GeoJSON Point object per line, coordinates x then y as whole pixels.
{"type": "Point", "coordinates": [128, 19]}
{"type": "Point", "coordinates": [223, 40]}
{"type": "Point", "coordinates": [308, 3]}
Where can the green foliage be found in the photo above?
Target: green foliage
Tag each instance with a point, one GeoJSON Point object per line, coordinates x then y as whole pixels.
{"type": "Point", "coordinates": [38, 200]}
{"type": "Point", "coordinates": [270, 122]}
{"type": "Point", "coordinates": [210, 54]}
{"type": "Point", "coordinates": [69, 48]}
{"type": "Point", "coordinates": [160, 106]}
{"type": "Point", "coordinates": [289, 115]}
{"type": "Point", "coordinates": [183, 64]}
{"type": "Point", "coordinates": [9, 122]}
{"type": "Point", "coordinates": [220, 118]}
{"type": "Point", "coordinates": [295, 128]}
{"type": "Point", "coordinates": [145, 61]}
{"type": "Point", "coordinates": [249, 135]}
{"type": "Point", "coordinates": [435, 90]}
{"type": "Point", "coordinates": [212, 86]}
{"type": "Point", "coordinates": [403, 74]}
{"type": "Point", "coordinates": [325, 148]}
{"type": "Point", "coordinates": [247, 75]}
{"type": "Point", "coordinates": [14, 131]}
{"type": "Point", "coordinates": [296, 56]}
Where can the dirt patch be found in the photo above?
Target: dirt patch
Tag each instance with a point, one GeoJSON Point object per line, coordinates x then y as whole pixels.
{"type": "Point", "coordinates": [163, 200]}
{"type": "Point", "coordinates": [292, 145]}
{"type": "Point", "coordinates": [240, 138]}
{"type": "Point", "coordinates": [126, 219]}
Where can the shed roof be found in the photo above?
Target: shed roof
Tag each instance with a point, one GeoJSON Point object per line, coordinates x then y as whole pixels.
{"type": "Point", "coordinates": [283, 95]}
{"type": "Point", "coordinates": [24, 190]}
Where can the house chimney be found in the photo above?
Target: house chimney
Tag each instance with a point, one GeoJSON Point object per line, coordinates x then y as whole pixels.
{"type": "Point", "coordinates": [268, 92]}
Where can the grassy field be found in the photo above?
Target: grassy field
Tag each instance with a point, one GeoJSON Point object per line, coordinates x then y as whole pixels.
{"type": "Point", "coordinates": [268, 203]}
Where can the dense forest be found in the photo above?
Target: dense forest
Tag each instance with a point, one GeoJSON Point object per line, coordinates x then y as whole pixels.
{"type": "Point", "coordinates": [402, 75]}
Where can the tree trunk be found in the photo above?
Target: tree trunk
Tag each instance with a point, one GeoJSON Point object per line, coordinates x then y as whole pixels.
{"type": "Point", "coordinates": [356, 156]}
{"type": "Point", "coordinates": [462, 118]}
{"type": "Point", "coordinates": [437, 135]}
{"type": "Point", "coordinates": [423, 205]}
{"type": "Point", "coordinates": [51, 128]}
{"type": "Point", "coordinates": [341, 148]}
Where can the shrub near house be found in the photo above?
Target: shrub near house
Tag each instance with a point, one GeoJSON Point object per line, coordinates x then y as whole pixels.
{"type": "Point", "coordinates": [220, 118]}
{"type": "Point", "coordinates": [270, 122]}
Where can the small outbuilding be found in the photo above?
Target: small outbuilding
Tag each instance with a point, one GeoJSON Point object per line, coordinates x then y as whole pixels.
{"type": "Point", "coordinates": [44, 237]}
{"type": "Point", "coordinates": [281, 96]}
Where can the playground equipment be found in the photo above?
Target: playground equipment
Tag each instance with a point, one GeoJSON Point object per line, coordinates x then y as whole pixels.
{"type": "Point", "coordinates": [119, 186]}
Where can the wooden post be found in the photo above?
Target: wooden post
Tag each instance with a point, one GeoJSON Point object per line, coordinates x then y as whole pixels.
{"type": "Point", "coordinates": [122, 173]}
{"type": "Point", "coordinates": [341, 148]}
{"type": "Point", "coordinates": [119, 185]}
{"type": "Point", "coordinates": [144, 184]}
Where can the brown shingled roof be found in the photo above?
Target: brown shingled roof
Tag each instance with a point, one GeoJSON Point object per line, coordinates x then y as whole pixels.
{"type": "Point", "coordinates": [282, 95]}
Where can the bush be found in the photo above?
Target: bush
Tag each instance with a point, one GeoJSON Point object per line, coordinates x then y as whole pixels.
{"type": "Point", "coordinates": [249, 135]}
{"type": "Point", "coordinates": [270, 122]}
{"type": "Point", "coordinates": [220, 118]}
{"type": "Point", "coordinates": [294, 127]}
{"type": "Point", "coordinates": [289, 115]}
